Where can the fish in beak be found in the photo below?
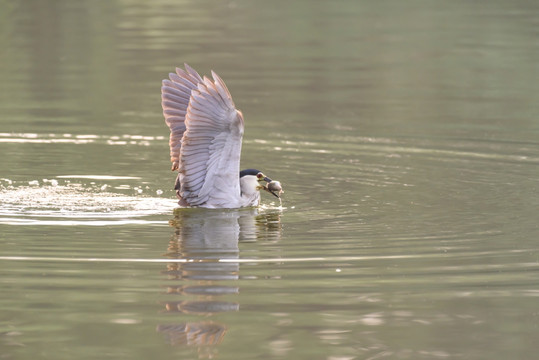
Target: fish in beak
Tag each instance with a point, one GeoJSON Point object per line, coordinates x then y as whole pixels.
{"type": "Point", "coordinates": [275, 188]}
{"type": "Point", "coordinates": [271, 186]}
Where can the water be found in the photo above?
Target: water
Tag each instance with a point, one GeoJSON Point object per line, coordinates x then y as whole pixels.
{"type": "Point", "coordinates": [405, 138]}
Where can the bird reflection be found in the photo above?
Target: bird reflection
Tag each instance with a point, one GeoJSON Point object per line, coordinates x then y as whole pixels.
{"type": "Point", "coordinates": [202, 286]}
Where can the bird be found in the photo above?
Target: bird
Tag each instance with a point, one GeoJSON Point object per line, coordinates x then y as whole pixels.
{"type": "Point", "coordinates": [206, 132]}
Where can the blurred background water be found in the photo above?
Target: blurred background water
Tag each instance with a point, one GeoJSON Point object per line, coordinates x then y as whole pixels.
{"type": "Point", "coordinates": [405, 135]}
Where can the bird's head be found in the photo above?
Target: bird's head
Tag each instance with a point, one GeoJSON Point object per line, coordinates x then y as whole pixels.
{"type": "Point", "coordinates": [254, 180]}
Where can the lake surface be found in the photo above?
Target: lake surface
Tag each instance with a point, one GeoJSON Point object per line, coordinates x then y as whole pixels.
{"type": "Point", "coordinates": [406, 137]}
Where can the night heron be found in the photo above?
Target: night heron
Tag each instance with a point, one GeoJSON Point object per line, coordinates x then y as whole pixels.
{"type": "Point", "coordinates": [206, 131]}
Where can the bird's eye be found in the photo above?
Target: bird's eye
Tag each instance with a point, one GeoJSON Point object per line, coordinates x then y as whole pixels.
{"type": "Point", "coordinates": [260, 175]}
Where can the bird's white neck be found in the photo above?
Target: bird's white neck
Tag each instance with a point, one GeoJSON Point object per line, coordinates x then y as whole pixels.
{"type": "Point", "coordinates": [250, 196]}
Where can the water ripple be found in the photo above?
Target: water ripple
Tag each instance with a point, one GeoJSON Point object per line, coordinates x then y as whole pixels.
{"type": "Point", "coordinates": [125, 139]}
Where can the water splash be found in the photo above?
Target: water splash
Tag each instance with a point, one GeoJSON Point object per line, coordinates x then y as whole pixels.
{"type": "Point", "coordinates": [62, 202]}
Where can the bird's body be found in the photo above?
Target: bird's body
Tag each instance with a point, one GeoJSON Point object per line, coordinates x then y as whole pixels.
{"type": "Point", "coordinates": [206, 132]}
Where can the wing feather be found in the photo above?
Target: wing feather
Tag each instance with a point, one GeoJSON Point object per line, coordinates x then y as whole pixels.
{"type": "Point", "coordinates": [171, 89]}
{"type": "Point", "coordinates": [175, 96]}
{"type": "Point", "coordinates": [205, 139]}
{"type": "Point", "coordinates": [191, 71]}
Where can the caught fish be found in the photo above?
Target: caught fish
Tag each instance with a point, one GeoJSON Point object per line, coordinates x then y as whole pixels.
{"type": "Point", "coordinates": [274, 187]}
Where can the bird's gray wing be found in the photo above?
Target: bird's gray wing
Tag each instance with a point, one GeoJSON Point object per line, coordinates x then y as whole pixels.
{"type": "Point", "coordinates": [211, 146]}
{"type": "Point", "coordinates": [175, 95]}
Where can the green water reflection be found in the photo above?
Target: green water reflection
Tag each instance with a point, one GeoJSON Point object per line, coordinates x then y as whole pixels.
{"type": "Point", "coordinates": [404, 133]}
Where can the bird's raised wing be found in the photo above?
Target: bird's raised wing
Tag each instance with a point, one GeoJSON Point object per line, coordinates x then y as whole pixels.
{"type": "Point", "coordinates": [175, 95]}
{"type": "Point", "coordinates": [208, 138]}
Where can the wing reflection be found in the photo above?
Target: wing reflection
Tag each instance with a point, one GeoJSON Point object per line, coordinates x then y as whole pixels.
{"type": "Point", "coordinates": [201, 333]}
{"type": "Point", "coordinates": [203, 286]}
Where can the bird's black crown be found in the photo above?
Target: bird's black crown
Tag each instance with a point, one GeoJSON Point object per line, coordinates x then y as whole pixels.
{"type": "Point", "coordinates": [252, 172]}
